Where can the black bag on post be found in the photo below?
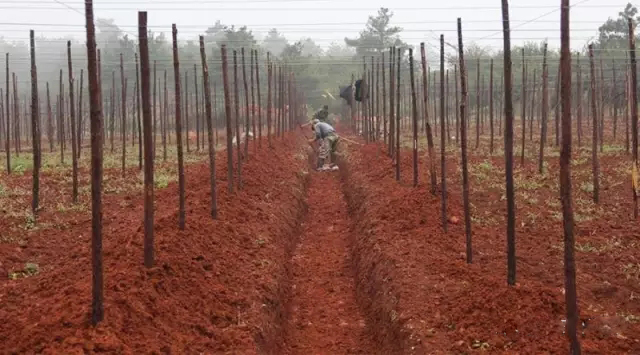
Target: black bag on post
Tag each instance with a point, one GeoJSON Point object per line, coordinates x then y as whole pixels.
{"type": "Point", "coordinates": [345, 92]}
{"type": "Point", "coordinates": [358, 90]}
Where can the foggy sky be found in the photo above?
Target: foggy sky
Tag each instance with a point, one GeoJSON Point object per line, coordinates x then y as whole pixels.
{"type": "Point", "coordinates": [325, 21]}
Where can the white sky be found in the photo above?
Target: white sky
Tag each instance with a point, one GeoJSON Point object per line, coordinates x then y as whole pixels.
{"type": "Point", "coordinates": [325, 21]}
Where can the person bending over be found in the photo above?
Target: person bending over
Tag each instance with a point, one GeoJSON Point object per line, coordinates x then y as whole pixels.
{"type": "Point", "coordinates": [328, 138]}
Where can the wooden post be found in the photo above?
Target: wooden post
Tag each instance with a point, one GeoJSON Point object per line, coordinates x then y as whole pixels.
{"type": "Point", "coordinates": [165, 118]}
{"type": "Point", "coordinates": [385, 129]}
{"type": "Point", "coordinates": [227, 107]}
{"type": "Point", "coordinates": [138, 95]}
{"type": "Point", "coordinates": [123, 127]}
{"type": "Point", "coordinates": [186, 109]}
{"type": "Point", "coordinates": [545, 110]}
{"type": "Point", "coordinates": [7, 142]}
{"type": "Point", "coordinates": [72, 114]}
{"type": "Point", "coordinates": [177, 103]}
{"type": "Point", "coordinates": [491, 106]}
{"type": "Point", "coordinates": [595, 129]}
{"type": "Point", "coordinates": [508, 147]}
{"type": "Point", "coordinates": [154, 111]}
{"type": "Point", "coordinates": [236, 102]}
{"type": "Point", "coordinates": [565, 184]}
{"type": "Point", "coordinates": [634, 105]}
{"type": "Point", "coordinates": [253, 103]}
{"type": "Point", "coordinates": [269, 102]}
{"type": "Point", "coordinates": [478, 104]}
{"type": "Point", "coordinates": [49, 121]}
{"type": "Point", "coordinates": [208, 118]}
{"type": "Point", "coordinates": [35, 130]}
{"type": "Point", "coordinates": [147, 124]}
{"type": "Point", "coordinates": [463, 129]}
{"type": "Point", "coordinates": [97, 308]}
{"type": "Point", "coordinates": [197, 104]}
{"type": "Point", "coordinates": [414, 120]}
{"type": "Point", "coordinates": [443, 161]}
{"type": "Point", "coordinates": [398, 118]}
{"type": "Point", "coordinates": [523, 97]}
{"type": "Point", "coordinates": [80, 115]}
{"type": "Point", "coordinates": [259, 101]}
{"type": "Point", "coordinates": [425, 100]}
{"type": "Point", "coordinates": [579, 96]}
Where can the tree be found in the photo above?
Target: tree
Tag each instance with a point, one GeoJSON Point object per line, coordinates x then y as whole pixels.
{"type": "Point", "coordinates": [377, 36]}
{"type": "Point", "coordinates": [275, 42]}
{"type": "Point", "coordinates": [238, 38]}
{"type": "Point", "coordinates": [310, 48]}
{"type": "Point", "coordinates": [292, 51]}
{"type": "Point", "coordinates": [339, 50]}
{"type": "Point", "coordinates": [614, 33]}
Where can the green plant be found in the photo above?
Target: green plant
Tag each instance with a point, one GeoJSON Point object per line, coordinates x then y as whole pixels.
{"type": "Point", "coordinates": [30, 269]}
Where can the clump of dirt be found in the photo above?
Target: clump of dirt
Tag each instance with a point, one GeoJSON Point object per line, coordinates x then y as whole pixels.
{"type": "Point", "coordinates": [217, 286]}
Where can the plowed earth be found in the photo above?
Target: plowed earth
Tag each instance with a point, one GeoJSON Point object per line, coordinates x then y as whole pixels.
{"type": "Point", "coordinates": [216, 288]}
{"type": "Point", "coordinates": [348, 262]}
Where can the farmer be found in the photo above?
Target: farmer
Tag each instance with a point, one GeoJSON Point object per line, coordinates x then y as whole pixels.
{"type": "Point", "coordinates": [328, 138]}
{"type": "Point", "coordinates": [323, 114]}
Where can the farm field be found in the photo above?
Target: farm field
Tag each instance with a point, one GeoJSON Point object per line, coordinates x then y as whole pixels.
{"type": "Point", "coordinates": [220, 188]}
{"type": "Point", "coordinates": [351, 254]}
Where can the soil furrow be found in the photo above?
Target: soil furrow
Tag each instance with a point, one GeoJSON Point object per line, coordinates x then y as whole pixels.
{"type": "Point", "coordinates": [325, 317]}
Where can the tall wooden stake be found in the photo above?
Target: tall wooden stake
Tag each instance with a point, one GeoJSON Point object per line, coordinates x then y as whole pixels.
{"type": "Point", "coordinates": [259, 101]}
{"type": "Point", "coordinates": [138, 121]}
{"type": "Point", "coordinates": [524, 108]}
{"type": "Point", "coordinates": [97, 308]}
{"type": "Point", "coordinates": [269, 102]}
{"type": "Point", "coordinates": [398, 118]}
{"type": "Point", "coordinates": [545, 109]}
{"type": "Point", "coordinates": [443, 161]}
{"type": "Point", "coordinates": [508, 147]}
{"type": "Point", "coordinates": [227, 109]}
{"type": "Point", "coordinates": [176, 76]}
{"type": "Point", "coordinates": [634, 105]}
{"type": "Point", "coordinates": [7, 142]}
{"type": "Point", "coordinates": [565, 184]}
{"type": "Point", "coordinates": [414, 119]}
{"type": "Point", "coordinates": [236, 102]}
{"type": "Point", "coordinates": [595, 129]}
{"type": "Point", "coordinates": [208, 118]}
{"type": "Point", "coordinates": [123, 127]}
{"type": "Point", "coordinates": [147, 123]}
{"type": "Point", "coordinates": [35, 127]}
{"type": "Point", "coordinates": [425, 99]}
{"type": "Point", "coordinates": [74, 137]}
{"type": "Point", "coordinates": [247, 103]}
{"type": "Point", "coordinates": [463, 136]}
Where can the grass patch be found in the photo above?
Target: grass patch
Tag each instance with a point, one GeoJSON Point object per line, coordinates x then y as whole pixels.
{"type": "Point", "coordinates": [528, 184]}
{"type": "Point", "coordinates": [586, 247]}
{"type": "Point", "coordinates": [587, 187]}
{"type": "Point", "coordinates": [162, 180]}
{"type": "Point", "coordinates": [612, 148]}
{"type": "Point", "coordinates": [631, 271]}
{"type": "Point", "coordinates": [30, 269]}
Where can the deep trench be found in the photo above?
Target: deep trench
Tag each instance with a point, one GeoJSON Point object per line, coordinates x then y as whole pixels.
{"type": "Point", "coordinates": [333, 299]}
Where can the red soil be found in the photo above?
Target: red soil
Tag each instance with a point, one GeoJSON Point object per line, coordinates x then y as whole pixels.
{"type": "Point", "coordinates": [226, 286]}
{"type": "Point", "coordinates": [443, 305]}
{"type": "Point", "coordinates": [216, 288]}
{"type": "Point", "coordinates": [325, 317]}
